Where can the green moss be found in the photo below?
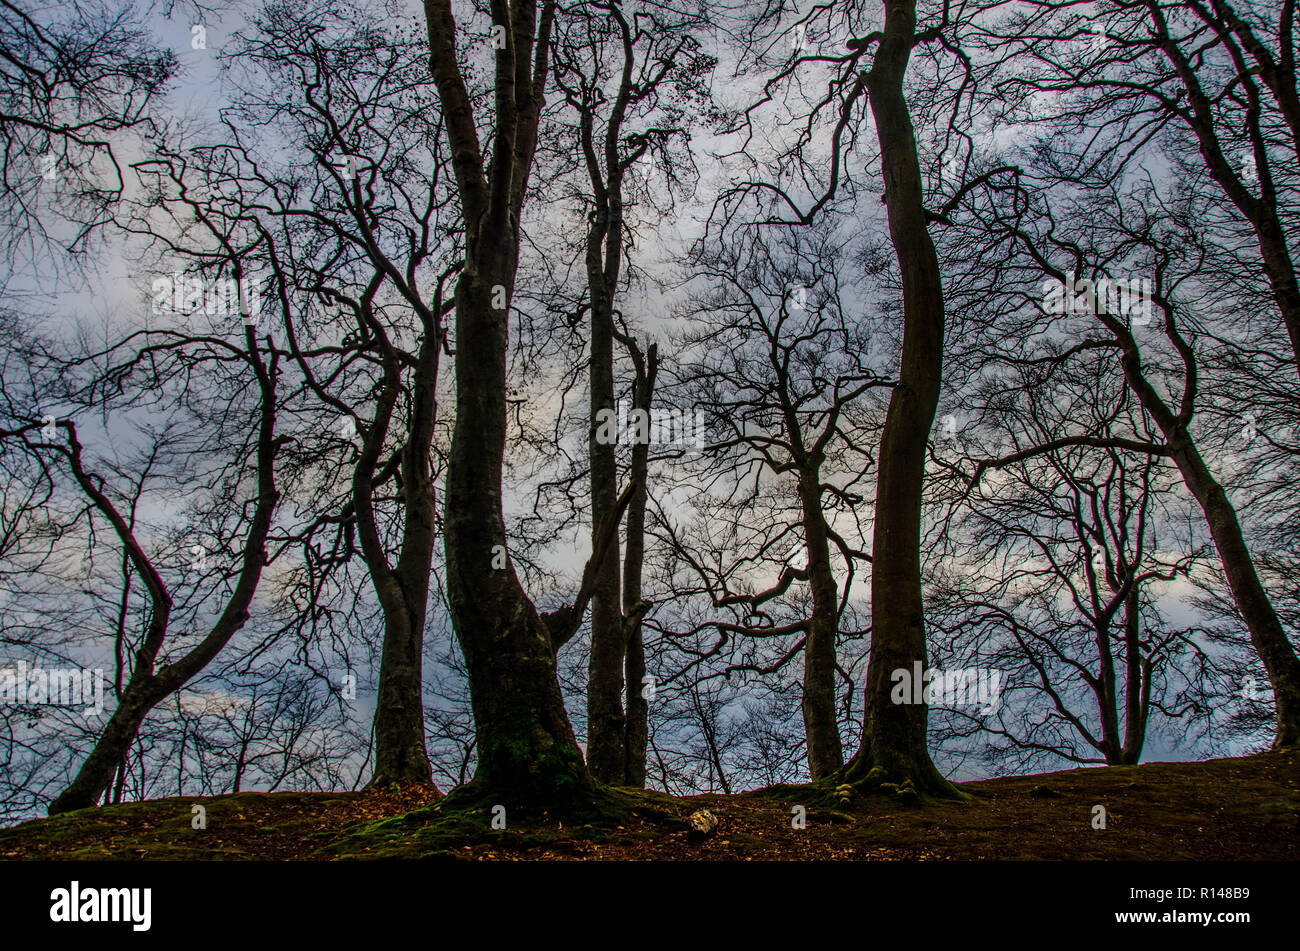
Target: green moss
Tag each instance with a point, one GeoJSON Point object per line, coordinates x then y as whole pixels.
{"type": "Point", "coordinates": [1289, 806]}
{"type": "Point", "coordinates": [1248, 807]}
{"type": "Point", "coordinates": [464, 818]}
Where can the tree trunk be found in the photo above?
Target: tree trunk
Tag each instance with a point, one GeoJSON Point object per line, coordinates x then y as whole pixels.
{"type": "Point", "coordinates": [637, 721]}
{"type": "Point", "coordinates": [1107, 694]}
{"type": "Point", "coordinates": [400, 751]}
{"type": "Point", "coordinates": [526, 747]}
{"type": "Point", "coordinates": [1137, 686]}
{"type": "Point", "coordinates": [1266, 632]}
{"type": "Point", "coordinates": [894, 735]}
{"type": "Point", "coordinates": [605, 721]}
{"type": "Point", "coordinates": [821, 725]}
{"type": "Point", "coordinates": [147, 687]}
{"type": "Point", "coordinates": [403, 592]}
{"type": "Point", "coordinates": [96, 774]}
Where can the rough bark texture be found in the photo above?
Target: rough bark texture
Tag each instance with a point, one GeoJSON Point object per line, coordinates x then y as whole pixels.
{"type": "Point", "coordinates": [821, 725]}
{"type": "Point", "coordinates": [605, 721]}
{"type": "Point", "coordinates": [400, 751]}
{"type": "Point", "coordinates": [636, 722]}
{"type": "Point", "coordinates": [526, 746]}
{"type": "Point", "coordinates": [894, 735]}
{"type": "Point", "coordinates": [403, 592]}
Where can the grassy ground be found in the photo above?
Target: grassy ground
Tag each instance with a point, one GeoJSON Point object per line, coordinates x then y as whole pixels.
{"type": "Point", "coordinates": [1226, 809]}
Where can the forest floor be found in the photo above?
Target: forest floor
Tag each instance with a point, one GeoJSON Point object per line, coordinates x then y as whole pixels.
{"type": "Point", "coordinates": [1225, 809]}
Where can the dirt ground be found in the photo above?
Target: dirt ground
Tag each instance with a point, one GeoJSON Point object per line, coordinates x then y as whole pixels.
{"type": "Point", "coordinates": [1227, 809]}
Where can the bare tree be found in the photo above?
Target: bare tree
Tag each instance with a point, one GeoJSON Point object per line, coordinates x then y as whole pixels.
{"type": "Point", "coordinates": [148, 686]}
{"type": "Point", "coordinates": [1121, 236]}
{"type": "Point", "coordinates": [1065, 554]}
{"type": "Point", "coordinates": [627, 73]}
{"type": "Point", "coordinates": [780, 365]}
{"type": "Point", "coordinates": [76, 78]}
{"type": "Point", "coordinates": [526, 746]}
{"type": "Point", "coordinates": [357, 220]}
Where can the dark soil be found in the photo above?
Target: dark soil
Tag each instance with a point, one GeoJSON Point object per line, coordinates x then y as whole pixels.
{"type": "Point", "coordinates": [1227, 809]}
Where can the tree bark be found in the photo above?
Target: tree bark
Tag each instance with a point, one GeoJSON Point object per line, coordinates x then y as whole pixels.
{"type": "Point", "coordinates": [1266, 631]}
{"type": "Point", "coordinates": [605, 719]}
{"type": "Point", "coordinates": [821, 725]}
{"type": "Point", "coordinates": [526, 747]}
{"type": "Point", "coordinates": [1137, 685]}
{"type": "Point", "coordinates": [403, 592]}
{"type": "Point", "coordinates": [95, 776]}
{"type": "Point", "coordinates": [894, 735]}
{"type": "Point", "coordinates": [637, 720]}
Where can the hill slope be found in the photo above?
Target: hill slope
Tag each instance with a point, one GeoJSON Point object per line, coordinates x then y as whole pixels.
{"type": "Point", "coordinates": [1226, 809]}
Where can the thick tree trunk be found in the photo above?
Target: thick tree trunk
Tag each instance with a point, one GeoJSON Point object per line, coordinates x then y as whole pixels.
{"type": "Point", "coordinates": [96, 774]}
{"type": "Point", "coordinates": [821, 725]}
{"type": "Point", "coordinates": [400, 751]}
{"type": "Point", "coordinates": [526, 747]}
{"type": "Point", "coordinates": [894, 734]}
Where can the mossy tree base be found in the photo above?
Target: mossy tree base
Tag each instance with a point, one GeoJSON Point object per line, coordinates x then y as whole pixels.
{"type": "Point", "coordinates": [908, 778]}
{"type": "Point", "coordinates": [475, 814]}
{"type": "Point", "coordinates": [400, 780]}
